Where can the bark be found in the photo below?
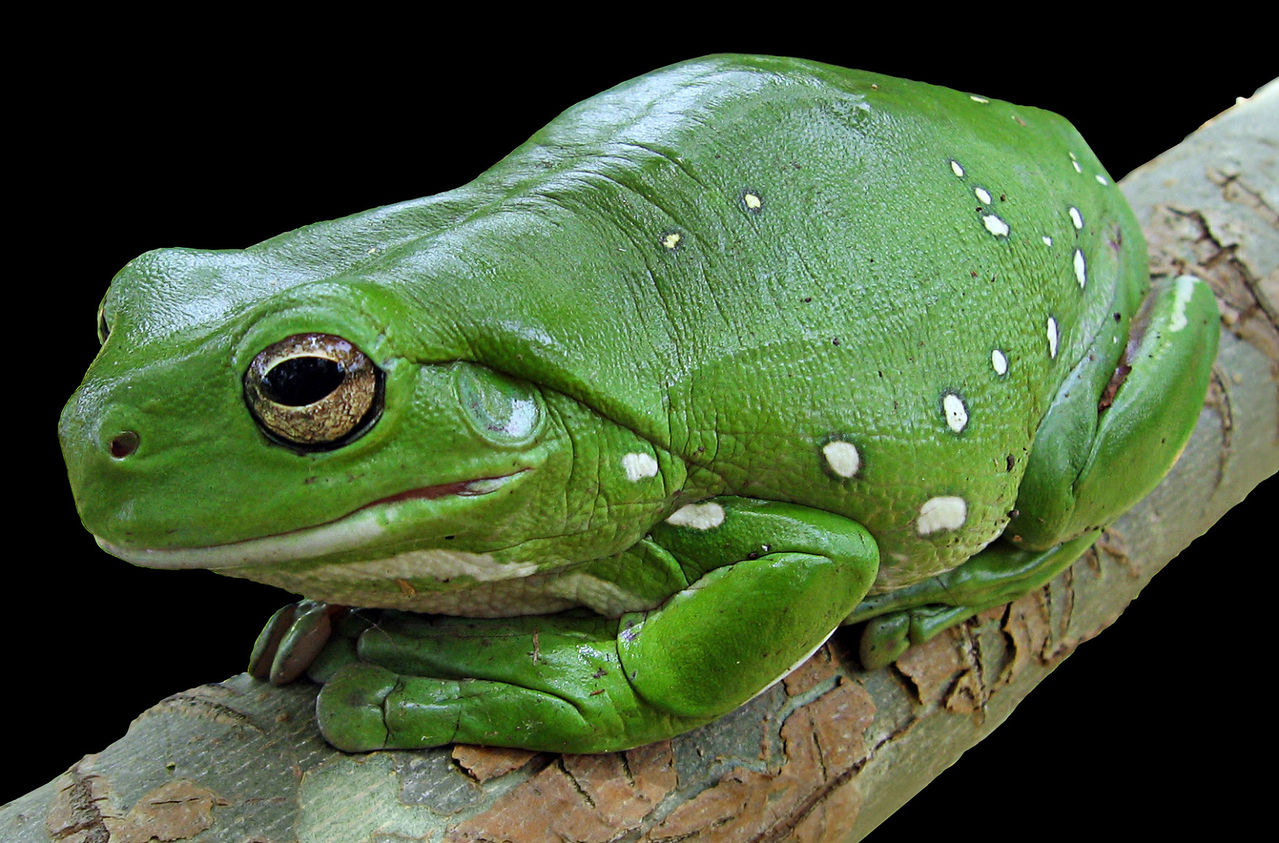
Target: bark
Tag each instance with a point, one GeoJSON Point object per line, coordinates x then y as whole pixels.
{"type": "Point", "coordinates": [825, 755]}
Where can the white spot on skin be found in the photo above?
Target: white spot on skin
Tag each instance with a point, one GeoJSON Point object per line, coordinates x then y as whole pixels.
{"type": "Point", "coordinates": [956, 168]}
{"type": "Point", "coordinates": [999, 361]}
{"type": "Point", "coordinates": [1074, 162]}
{"type": "Point", "coordinates": [995, 225]}
{"type": "Point", "coordinates": [639, 466]}
{"type": "Point", "coordinates": [976, 98]}
{"type": "Point", "coordinates": [955, 411]}
{"type": "Point", "coordinates": [671, 240]}
{"type": "Point", "coordinates": [1052, 337]}
{"type": "Point", "coordinates": [941, 513]}
{"type": "Point", "coordinates": [842, 457]}
{"type": "Point", "coordinates": [1101, 179]}
{"type": "Point", "coordinates": [1048, 241]}
{"type": "Point", "coordinates": [983, 195]}
{"type": "Point", "coordinates": [1181, 297]}
{"type": "Point", "coordinates": [1081, 269]}
{"type": "Point", "coordinates": [698, 516]}
{"type": "Point", "coordinates": [1076, 218]}
{"type": "Point", "coordinates": [752, 201]}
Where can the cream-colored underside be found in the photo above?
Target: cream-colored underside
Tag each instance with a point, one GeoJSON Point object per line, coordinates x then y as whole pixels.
{"type": "Point", "coordinates": [410, 581]}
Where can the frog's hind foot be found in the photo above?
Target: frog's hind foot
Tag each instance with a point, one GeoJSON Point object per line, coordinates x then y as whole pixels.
{"type": "Point", "coordinates": [885, 639]}
{"type": "Point", "coordinates": [898, 620]}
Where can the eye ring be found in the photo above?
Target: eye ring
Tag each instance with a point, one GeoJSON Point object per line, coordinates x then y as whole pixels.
{"type": "Point", "coordinates": [313, 392]}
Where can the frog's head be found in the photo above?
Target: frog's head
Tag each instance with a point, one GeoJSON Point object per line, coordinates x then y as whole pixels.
{"type": "Point", "coordinates": [232, 423]}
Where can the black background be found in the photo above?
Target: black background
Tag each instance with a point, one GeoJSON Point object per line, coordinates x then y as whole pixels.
{"type": "Point", "coordinates": [215, 135]}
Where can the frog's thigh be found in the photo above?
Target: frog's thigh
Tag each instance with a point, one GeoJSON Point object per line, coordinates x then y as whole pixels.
{"type": "Point", "coordinates": [1096, 454]}
{"type": "Point", "coordinates": [781, 578]}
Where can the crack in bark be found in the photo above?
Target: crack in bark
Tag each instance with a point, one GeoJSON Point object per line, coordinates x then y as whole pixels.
{"type": "Point", "coordinates": [782, 830]}
{"type": "Point", "coordinates": [1233, 187]}
{"type": "Point", "coordinates": [577, 784]}
{"type": "Point", "coordinates": [1251, 316]}
{"type": "Point", "coordinates": [81, 805]}
{"type": "Point", "coordinates": [1220, 400]}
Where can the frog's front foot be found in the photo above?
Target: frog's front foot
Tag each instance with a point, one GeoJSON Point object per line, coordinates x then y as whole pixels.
{"type": "Point", "coordinates": [543, 682]}
{"type": "Point", "coordinates": [293, 639]}
{"type": "Point", "coordinates": [351, 709]}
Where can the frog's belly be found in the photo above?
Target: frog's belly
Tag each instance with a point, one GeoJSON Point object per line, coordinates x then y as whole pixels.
{"type": "Point", "coordinates": [451, 583]}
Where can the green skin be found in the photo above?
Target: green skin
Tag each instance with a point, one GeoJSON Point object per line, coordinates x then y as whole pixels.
{"type": "Point", "coordinates": [720, 359]}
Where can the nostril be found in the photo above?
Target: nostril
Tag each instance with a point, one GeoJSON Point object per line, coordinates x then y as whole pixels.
{"type": "Point", "coordinates": [123, 444]}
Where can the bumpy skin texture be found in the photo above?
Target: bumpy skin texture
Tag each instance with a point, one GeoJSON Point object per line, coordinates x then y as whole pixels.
{"type": "Point", "coordinates": [742, 344]}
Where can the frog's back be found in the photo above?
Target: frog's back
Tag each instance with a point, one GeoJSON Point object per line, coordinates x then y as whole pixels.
{"type": "Point", "coordinates": [857, 292]}
{"type": "Point", "coordinates": [819, 285]}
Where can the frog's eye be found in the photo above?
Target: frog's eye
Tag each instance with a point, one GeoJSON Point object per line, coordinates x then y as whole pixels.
{"type": "Point", "coordinates": [104, 330]}
{"type": "Point", "coordinates": [313, 391]}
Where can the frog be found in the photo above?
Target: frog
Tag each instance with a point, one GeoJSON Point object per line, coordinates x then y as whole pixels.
{"type": "Point", "coordinates": [596, 448]}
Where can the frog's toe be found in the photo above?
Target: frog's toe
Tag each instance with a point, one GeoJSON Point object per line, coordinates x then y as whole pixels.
{"type": "Point", "coordinates": [267, 644]}
{"type": "Point", "coordinates": [351, 708]}
{"type": "Point", "coordinates": [884, 639]}
{"type": "Point", "coordinates": [887, 637]}
{"type": "Point", "coordinates": [291, 640]}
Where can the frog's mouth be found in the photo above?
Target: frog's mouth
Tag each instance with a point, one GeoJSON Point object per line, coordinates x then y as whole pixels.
{"type": "Point", "coordinates": [358, 528]}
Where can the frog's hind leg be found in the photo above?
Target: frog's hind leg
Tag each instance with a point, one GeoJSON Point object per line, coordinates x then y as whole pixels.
{"type": "Point", "coordinates": [1113, 431]}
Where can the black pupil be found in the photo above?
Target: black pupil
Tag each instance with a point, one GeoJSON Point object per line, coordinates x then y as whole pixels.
{"type": "Point", "coordinates": [299, 381]}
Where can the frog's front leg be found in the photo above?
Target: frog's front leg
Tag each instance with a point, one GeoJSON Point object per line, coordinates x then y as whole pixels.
{"type": "Point", "coordinates": [767, 584]}
{"type": "Point", "coordinates": [1107, 440]}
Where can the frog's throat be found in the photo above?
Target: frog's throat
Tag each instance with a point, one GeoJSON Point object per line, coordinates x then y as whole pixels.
{"type": "Point", "coordinates": [356, 529]}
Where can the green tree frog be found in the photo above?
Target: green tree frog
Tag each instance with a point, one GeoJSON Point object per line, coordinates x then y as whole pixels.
{"type": "Point", "coordinates": [616, 434]}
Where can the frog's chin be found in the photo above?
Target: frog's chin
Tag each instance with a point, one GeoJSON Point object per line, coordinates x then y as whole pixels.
{"type": "Point", "coordinates": [357, 529]}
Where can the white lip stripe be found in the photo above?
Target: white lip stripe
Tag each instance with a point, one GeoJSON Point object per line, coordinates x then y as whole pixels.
{"type": "Point", "coordinates": [347, 533]}
{"type": "Point", "coordinates": [344, 534]}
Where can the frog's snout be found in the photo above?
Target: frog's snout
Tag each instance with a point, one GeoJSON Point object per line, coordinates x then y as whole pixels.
{"type": "Point", "coordinates": [87, 436]}
{"type": "Point", "coordinates": [98, 444]}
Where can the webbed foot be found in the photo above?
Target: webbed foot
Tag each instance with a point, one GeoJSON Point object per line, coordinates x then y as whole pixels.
{"type": "Point", "coordinates": [543, 682]}
{"type": "Point", "coordinates": [898, 620]}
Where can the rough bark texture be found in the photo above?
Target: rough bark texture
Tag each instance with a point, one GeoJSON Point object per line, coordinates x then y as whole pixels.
{"type": "Point", "coordinates": [825, 755]}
